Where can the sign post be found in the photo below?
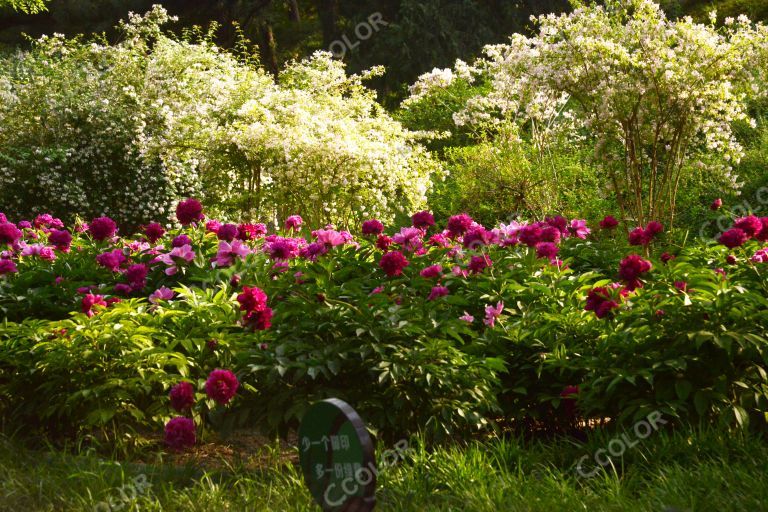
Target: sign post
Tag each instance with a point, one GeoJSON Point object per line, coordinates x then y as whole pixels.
{"type": "Point", "coordinates": [337, 457]}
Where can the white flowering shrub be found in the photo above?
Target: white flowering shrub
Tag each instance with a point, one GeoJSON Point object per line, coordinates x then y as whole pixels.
{"type": "Point", "coordinates": [653, 95]}
{"type": "Point", "coordinates": [126, 130]}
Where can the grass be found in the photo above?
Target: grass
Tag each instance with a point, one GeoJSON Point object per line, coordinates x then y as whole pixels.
{"type": "Point", "coordinates": [691, 470]}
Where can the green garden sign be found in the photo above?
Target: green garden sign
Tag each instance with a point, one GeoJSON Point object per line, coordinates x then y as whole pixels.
{"type": "Point", "coordinates": [337, 457]}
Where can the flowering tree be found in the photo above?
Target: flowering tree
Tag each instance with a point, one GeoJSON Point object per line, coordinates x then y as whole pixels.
{"type": "Point", "coordinates": [651, 93]}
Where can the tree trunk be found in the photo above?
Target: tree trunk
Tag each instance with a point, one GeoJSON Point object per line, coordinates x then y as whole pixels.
{"type": "Point", "coordinates": [294, 13]}
{"type": "Point", "coordinates": [268, 48]}
{"type": "Point", "coordinates": [328, 11]}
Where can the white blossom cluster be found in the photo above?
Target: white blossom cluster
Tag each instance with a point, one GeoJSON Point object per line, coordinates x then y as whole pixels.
{"type": "Point", "coordinates": [126, 130]}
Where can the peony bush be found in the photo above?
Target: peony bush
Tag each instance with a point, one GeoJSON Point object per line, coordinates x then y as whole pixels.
{"type": "Point", "coordinates": [445, 329]}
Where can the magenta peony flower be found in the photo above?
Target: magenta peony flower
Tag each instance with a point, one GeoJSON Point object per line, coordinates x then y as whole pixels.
{"type": "Point", "coordinates": [61, 239]}
{"type": "Point", "coordinates": [383, 242]}
{"type": "Point", "coordinates": [654, 228]}
{"type": "Point", "coordinates": [682, 286]}
{"type": "Point", "coordinates": [122, 289]}
{"type": "Point", "coordinates": [579, 229]}
{"type": "Point", "coordinates": [750, 225]}
{"type": "Point", "coordinates": [7, 267]}
{"type": "Point", "coordinates": [479, 263]}
{"type": "Point", "coordinates": [716, 204]}
{"type": "Point", "coordinates": [221, 386]}
{"type": "Point", "coordinates": [162, 293]}
{"type": "Point", "coordinates": [25, 224]}
{"type": "Point", "coordinates": [546, 250]}
{"type": "Point", "coordinates": [39, 250]}
{"type": "Point", "coordinates": [251, 231]}
{"type": "Point", "coordinates": [227, 232]}
{"type": "Point", "coordinates": [530, 235]}
{"type": "Point", "coordinates": [102, 228]}
{"type": "Point", "coordinates": [423, 220]}
{"type": "Point", "coordinates": [293, 223]}
{"type": "Point", "coordinates": [252, 299]}
{"type": "Point", "coordinates": [9, 233]}
{"type": "Point", "coordinates": [181, 241]}
{"type": "Point", "coordinates": [153, 232]}
{"type": "Point", "coordinates": [558, 222]}
{"type": "Point", "coordinates": [409, 239]}
{"type": "Point", "coordinates": [111, 260]}
{"type": "Point", "coordinates": [46, 220]}
{"type": "Point", "coordinates": [180, 433]}
{"type": "Point", "coordinates": [213, 226]}
{"type": "Point", "coordinates": [437, 292]}
{"type": "Point", "coordinates": [492, 313]}
{"type": "Point", "coordinates": [312, 251]}
{"type": "Point", "coordinates": [182, 396]}
{"type": "Point", "coordinates": [3, 218]}
{"type": "Point", "coordinates": [734, 237]}
{"type": "Point", "coordinates": [639, 236]}
{"type": "Point", "coordinates": [609, 222]}
{"type": "Point", "coordinates": [763, 234]}
{"type": "Point", "coordinates": [282, 249]}
{"type": "Point", "coordinates": [432, 272]}
{"type": "Point", "coordinates": [459, 224]}
{"type": "Point", "coordinates": [551, 234]}
{"type": "Point", "coordinates": [599, 300]}
{"type": "Point", "coordinates": [476, 237]}
{"type": "Point", "coordinates": [136, 275]}
{"type": "Point", "coordinates": [259, 320]}
{"type": "Point", "coordinates": [372, 227]}
{"type": "Point", "coordinates": [90, 301]}
{"type": "Point", "coordinates": [393, 263]}
{"type": "Point", "coordinates": [631, 268]}
{"type": "Point", "coordinates": [189, 211]}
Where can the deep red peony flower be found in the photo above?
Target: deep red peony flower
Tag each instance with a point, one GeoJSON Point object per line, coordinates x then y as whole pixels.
{"type": "Point", "coordinates": [530, 235]}
{"type": "Point", "coordinates": [479, 263]}
{"type": "Point", "coordinates": [136, 275]}
{"type": "Point", "coordinates": [393, 263]}
{"type": "Point", "coordinates": [631, 268]}
{"type": "Point", "coordinates": [716, 204]}
{"type": "Point", "coordinates": [61, 239]}
{"type": "Point", "coordinates": [189, 211]}
{"type": "Point", "coordinates": [153, 232]}
{"type": "Point", "coordinates": [383, 242]}
{"type": "Point", "coordinates": [252, 299]}
{"type": "Point", "coordinates": [423, 220]}
{"type": "Point", "coordinates": [750, 225]}
{"type": "Point", "coordinates": [102, 228]}
{"type": "Point", "coordinates": [546, 250]}
{"type": "Point", "coordinates": [9, 233]}
{"type": "Point", "coordinates": [372, 227]}
{"type": "Point", "coordinates": [227, 232]}
{"type": "Point", "coordinates": [432, 272]}
{"type": "Point", "coordinates": [734, 237]}
{"type": "Point", "coordinates": [182, 396]}
{"type": "Point", "coordinates": [459, 224]}
{"type": "Point", "coordinates": [259, 320]}
{"type": "Point", "coordinates": [609, 222]}
{"type": "Point", "coordinates": [180, 433]}
{"type": "Point", "coordinates": [221, 386]}
{"type": "Point", "coordinates": [639, 236]}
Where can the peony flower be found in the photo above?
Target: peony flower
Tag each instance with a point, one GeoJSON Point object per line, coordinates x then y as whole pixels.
{"type": "Point", "coordinates": [437, 292]}
{"type": "Point", "coordinates": [432, 272]}
{"type": "Point", "coordinates": [761, 256]}
{"type": "Point", "coordinates": [282, 249]}
{"type": "Point", "coordinates": [153, 232]}
{"type": "Point", "coordinates": [393, 263]}
{"type": "Point", "coordinates": [466, 317]}
{"type": "Point", "coordinates": [551, 234]}
{"type": "Point", "coordinates": [9, 233]}
{"type": "Point", "coordinates": [182, 396]}
{"type": "Point", "coordinates": [251, 231]}
{"type": "Point", "coordinates": [383, 242]}
{"type": "Point", "coordinates": [330, 237]}
{"type": "Point", "coordinates": [252, 299]}
{"type": "Point", "coordinates": [579, 229]}
{"type": "Point", "coordinates": [293, 223]}
{"type": "Point", "coordinates": [136, 275]}
{"type": "Point", "coordinates": [162, 293]}
{"type": "Point", "coordinates": [558, 222]}
{"type": "Point", "coordinates": [716, 204]}
{"type": "Point", "coordinates": [631, 268]}
{"type": "Point", "coordinates": [90, 301]}
{"type": "Point", "coordinates": [423, 220]}
{"type": "Point", "coordinates": [7, 267]}
{"type": "Point", "coordinates": [111, 260]}
{"type": "Point", "coordinates": [731, 259]}
{"type": "Point", "coordinates": [492, 313]}
{"type": "Point", "coordinates": [122, 289]}
{"type": "Point", "coordinates": [599, 300]}
{"type": "Point", "coordinates": [750, 225]}
{"type": "Point", "coordinates": [229, 253]}
{"type": "Point", "coordinates": [221, 386]}
{"type": "Point", "coordinates": [763, 234]}
{"type": "Point", "coordinates": [459, 224]}
{"type": "Point", "coordinates": [189, 211]}
{"type": "Point", "coordinates": [61, 239]}
{"type": "Point", "coordinates": [639, 236]}
{"type": "Point", "coordinates": [259, 320]}
{"type": "Point", "coordinates": [609, 222]}
{"type": "Point", "coordinates": [227, 232]}
{"type": "Point", "coordinates": [530, 235]}
{"type": "Point", "coordinates": [213, 226]}
{"type": "Point", "coordinates": [666, 257]}
{"type": "Point", "coordinates": [181, 241]}
{"type": "Point", "coordinates": [180, 433]}
{"type": "Point", "coordinates": [39, 250]}
{"type": "Point", "coordinates": [102, 228]}
{"type": "Point", "coordinates": [25, 224]}
{"type": "Point", "coordinates": [654, 228]}
{"type": "Point", "coordinates": [372, 227]}
{"type": "Point", "coordinates": [175, 257]}
{"type": "Point", "coordinates": [476, 237]}
{"type": "Point", "coordinates": [479, 263]}
{"type": "Point", "coordinates": [409, 239]}
{"type": "Point", "coordinates": [546, 250]}
{"type": "Point", "coordinates": [46, 220]}
{"type": "Point", "coordinates": [734, 237]}
{"type": "Point", "coordinates": [312, 251]}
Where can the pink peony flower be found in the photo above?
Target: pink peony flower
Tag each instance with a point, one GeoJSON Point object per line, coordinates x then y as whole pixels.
{"type": "Point", "coordinates": [761, 256]}
{"type": "Point", "coordinates": [153, 232]}
{"type": "Point", "coordinates": [466, 317]}
{"type": "Point", "coordinates": [579, 229]}
{"type": "Point", "coordinates": [252, 299]}
{"type": "Point", "coordinates": [213, 226]}
{"type": "Point", "coordinates": [432, 272]}
{"type": "Point", "coordinates": [221, 386]}
{"type": "Point", "coordinates": [492, 313]}
{"type": "Point", "coordinates": [293, 223]}
{"type": "Point", "coordinates": [9, 233]}
{"type": "Point", "coordinates": [46, 220]}
{"type": "Point", "coordinates": [423, 220]}
{"type": "Point", "coordinates": [393, 263]}
{"type": "Point", "coordinates": [102, 228]}
{"type": "Point", "coordinates": [182, 396]}
{"type": "Point", "coordinates": [282, 249]}
{"type": "Point", "coordinates": [39, 250]}
{"type": "Point", "coordinates": [189, 211]}
{"type": "Point", "coordinates": [437, 292]}
{"type": "Point", "coordinates": [476, 237]}
{"type": "Point", "coordinates": [372, 227]}
{"type": "Point", "coordinates": [111, 260]}
{"type": "Point", "coordinates": [90, 301]}
{"type": "Point", "coordinates": [176, 257]}
{"type": "Point", "coordinates": [330, 237]}
{"type": "Point", "coordinates": [409, 239]}
{"type": "Point", "coordinates": [180, 433]}
{"type": "Point", "coordinates": [229, 253]}
{"type": "Point", "coordinates": [733, 238]}
{"type": "Point", "coordinates": [162, 293]}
